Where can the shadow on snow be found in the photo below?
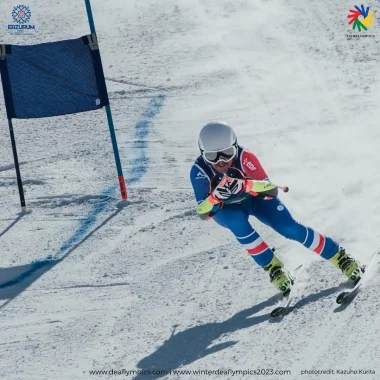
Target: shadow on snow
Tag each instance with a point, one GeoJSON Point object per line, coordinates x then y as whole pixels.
{"type": "Point", "coordinates": [15, 280]}
{"type": "Point", "coordinates": [195, 343]}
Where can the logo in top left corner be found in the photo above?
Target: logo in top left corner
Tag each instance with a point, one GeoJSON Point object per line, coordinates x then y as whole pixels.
{"type": "Point", "coordinates": [21, 15]}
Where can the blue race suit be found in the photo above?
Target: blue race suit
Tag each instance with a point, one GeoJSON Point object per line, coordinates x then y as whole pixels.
{"type": "Point", "coordinates": [234, 213]}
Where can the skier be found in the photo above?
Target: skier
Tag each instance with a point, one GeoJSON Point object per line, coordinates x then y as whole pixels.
{"type": "Point", "coordinates": [230, 185]}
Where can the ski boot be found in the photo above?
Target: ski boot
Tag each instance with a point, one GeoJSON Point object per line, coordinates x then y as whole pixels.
{"type": "Point", "coordinates": [278, 277]}
{"type": "Point", "coordinates": [348, 265]}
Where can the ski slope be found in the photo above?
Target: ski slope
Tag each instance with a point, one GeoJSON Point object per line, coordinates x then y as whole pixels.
{"type": "Point", "coordinates": [89, 283]}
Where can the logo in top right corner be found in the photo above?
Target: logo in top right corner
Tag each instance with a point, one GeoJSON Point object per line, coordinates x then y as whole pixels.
{"type": "Point", "coordinates": [361, 19]}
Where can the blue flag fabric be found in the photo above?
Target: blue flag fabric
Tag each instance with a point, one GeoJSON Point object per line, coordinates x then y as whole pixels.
{"type": "Point", "coordinates": [51, 79]}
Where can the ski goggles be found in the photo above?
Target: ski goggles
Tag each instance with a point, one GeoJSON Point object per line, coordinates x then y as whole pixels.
{"type": "Point", "coordinates": [214, 156]}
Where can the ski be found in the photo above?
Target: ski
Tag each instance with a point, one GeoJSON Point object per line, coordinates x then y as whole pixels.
{"type": "Point", "coordinates": [285, 302]}
{"type": "Point", "coordinates": [348, 295]}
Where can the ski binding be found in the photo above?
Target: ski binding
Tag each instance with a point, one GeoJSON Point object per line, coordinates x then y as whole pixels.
{"type": "Point", "coordinates": [346, 295]}
{"type": "Point", "coordinates": [285, 303]}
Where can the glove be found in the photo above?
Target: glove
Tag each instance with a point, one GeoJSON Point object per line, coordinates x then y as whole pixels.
{"type": "Point", "coordinates": [260, 189]}
{"type": "Point", "coordinates": [222, 189]}
{"type": "Point", "coordinates": [205, 209]}
{"type": "Point", "coordinates": [233, 182]}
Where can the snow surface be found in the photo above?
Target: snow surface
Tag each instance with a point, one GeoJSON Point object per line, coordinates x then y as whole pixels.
{"type": "Point", "coordinates": [146, 285]}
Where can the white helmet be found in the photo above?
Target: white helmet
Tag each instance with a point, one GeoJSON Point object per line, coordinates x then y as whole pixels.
{"type": "Point", "coordinates": [217, 142]}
